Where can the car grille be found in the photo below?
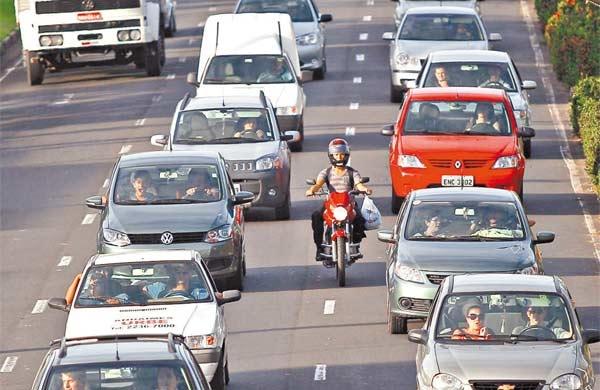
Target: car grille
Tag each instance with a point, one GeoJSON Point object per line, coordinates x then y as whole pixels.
{"type": "Point", "coordinates": [436, 278]}
{"type": "Point", "coordinates": [474, 163]}
{"type": "Point", "coordinates": [420, 304]}
{"type": "Point", "coordinates": [88, 26]}
{"type": "Point", "coordinates": [57, 6]}
{"type": "Point", "coordinates": [154, 238]}
{"type": "Point", "coordinates": [240, 166]}
{"type": "Point", "coordinates": [530, 385]}
{"type": "Point", "coordinates": [441, 163]}
{"type": "Point", "coordinates": [468, 164]}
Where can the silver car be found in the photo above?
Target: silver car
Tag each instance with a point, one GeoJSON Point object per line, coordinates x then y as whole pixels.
{"type": "Point", "coordinates": [308, 25]}
{"type": "Point", "coordinates": [490, 331]}
{"type": "Point", "coordinates": [427, 29]}
{"type": "Point", "coordinates": [404, 5]}
{"type": "Point", "coordinates": [481, 68]}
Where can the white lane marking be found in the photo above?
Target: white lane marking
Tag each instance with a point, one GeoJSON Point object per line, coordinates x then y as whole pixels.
{"type": "Point", "coordinates": [367, 18]}
{"type": "Point", "coordinates": [156, 98]}
{"type": "Point", "coordinates": [360, 57]}
{"type": "Point", "coordinates": [140, 122]}
{"type": "Point", "coordinates": [200, 24]}
{"type": "Point", "coordinates": [370, 2]}
{"type": "Point", "coordinates": [9, 364]}
{"type": "Point", "coordinates": [65, 100]}
{"type": "Point", "coordinates": [349, 131]}
{"type": "Point", "coordinates": [353, 106]}
{"type": "Point", "coordinates": [320, 372]}
{"type": "Point", "coordinates": [363, 36]}
{"type": "Point", "coordinates": [64, 261]}
{"type": "Point", "coordinates": [11, 69]}
{"type": "Point", "coordinates": [88, 219]}
{"type": "Point", "coordinates": [105, 184]}
{"type": "Point", "coordinates": [182, 59]}
{"type": "Point", "coordinates": [357, 80]}
{"type": "Point", "coordinates": [329, 307]}
{"type": "Point", "coordinates": [190, 41]}
{"type": "Point", "coordinates": [125, 149]}
{"type": "Point", "coordinates": [559, 126]}
{"type": "Point", "coordinates": [212, 9]}
{"type": "Point", "coordinates": [171, 76]}
{"type": "Point", "coordinates": [40, 306]}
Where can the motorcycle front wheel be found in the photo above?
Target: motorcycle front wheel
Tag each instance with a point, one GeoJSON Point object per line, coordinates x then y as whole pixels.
{"type": "Point", "coordinates": [340, 261]}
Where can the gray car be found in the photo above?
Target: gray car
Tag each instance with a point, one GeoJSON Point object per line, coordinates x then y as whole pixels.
{"type": "Point", "coordinates": [175, 200]}
{"type": "Point", "coordinates": [481, 68]}
{"type": "Point", "coordinates": [308, 26]}
{"type": "Point", "coordinates": [244, 130]}
{"type": "Point", "coordinates": [404, 5]}
{"type": "Point", "coordinates": [446, 231]}
{"type": "Point", "coordinates": [490, 331]}
{"type": "Point", "coordinates": [427, 29]}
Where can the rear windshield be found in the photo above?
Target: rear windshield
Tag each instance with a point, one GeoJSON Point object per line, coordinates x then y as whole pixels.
{"type": "Point", "coordinates": [470, 74]}
{"type": "Point", "coordinates": [299, 10]}
{"type": "Point", "coordinates": [436, 27]}
{"type": "Point", "coordinates": [250, 69]}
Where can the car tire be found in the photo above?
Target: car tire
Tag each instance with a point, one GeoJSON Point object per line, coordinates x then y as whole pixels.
{"type": "Point", "coordinates": [219, 381]}
{"type": "Point", "coordinates": [236, 282]}
{"type": "Point", "coordinates": [227, 372]}
{"type": "Point", "coordinates": [396, 95]}
{"type": "Point", "coordinates": [520, 193]}
{"type": "Point", "coordinates": [169, 32]}
{"type": "Point", "coordinates": [35, 69]}
{"type": "Point", "coordinates": [319, 74]}
{"type": "Point", "coordinates": [396, 203]}
{"type": "Point", "coordinates": [297, 146]}
{"type": "Point", "coordinates": [282, 213]}
{"type": "Point", "coordinates": [527, 148]}
{"type": "Point", "coordinates": [154, 57]}
{"type": "Point", "coordinates": [395, 324]}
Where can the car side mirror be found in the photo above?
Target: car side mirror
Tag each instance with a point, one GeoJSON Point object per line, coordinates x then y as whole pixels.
{"type": "Point", "coordinates": [544, 238]}
{"type": "Point", "coordinates": [325, 18]}
{"type": "Point", "coordinates": [590, 336]}
{"type": "Point", "coordinates": [387, 130]}
{"type": "Point", "coordinates": [291, 136]}
{"type": "Point", "coordinates": [529, 84]}
{"type": "Point", "coordinates": [495, 37]}
{"type": "Point", "coordinates": [388, 36]}
{"type": "Point", "coordinates": [526, 132]}
{"type": "Point", "coordinates": [311, 182]}
{"type": "Point", "coordinates": [418, 336]}
{"type": "Point", "coordinates": [365, 179]}
{"type": "Point", "coordinates": [243, 197]}
{"type": "Point", "coordinates": [58, 304]}
{"type": "Point", "coordinates": [307, 75]}
{"type": "Point", "coordinates": [192, 79]}
{"type": "Point", "coordinates": [95, 202]}
{"type": "Point", "coordinates": [386, 236]}
{"type": "Point", "coordinates": [159, 140]}
{"type": "Point", "coordinates": [229, 296]}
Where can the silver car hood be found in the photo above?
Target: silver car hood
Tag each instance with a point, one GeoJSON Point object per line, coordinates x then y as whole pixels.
{"type": "Point", "coordinates": [301, 28]}
{"type": "Point", "coordinates": [421, 49]}
{"type": "Point", "coordinates": [249, 151]}
{"type": "Point", "coordinates": [528, 360]}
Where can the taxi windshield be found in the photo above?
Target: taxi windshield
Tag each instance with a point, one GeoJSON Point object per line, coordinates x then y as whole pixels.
{"type": "Point", "coordinates": [154, 283]}
{"type": "Point", "coordinates": [223, 126]}
{"type": "Point", "coordinates": [464, 221]}
{"type": "Point", "coordinates": [249, 69]}
{"type": "Point", "coordinates": [299, 10]}
{"type": "Point", "coordinates": [438, 27]}
{"type": "Point", "coordinates": [512, 317]}
{"type": "Point", "coordinates": [470, 74]}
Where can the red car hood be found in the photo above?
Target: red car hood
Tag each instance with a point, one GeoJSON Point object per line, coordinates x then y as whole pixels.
{"type": "Point", "coordinates": [455, 146]}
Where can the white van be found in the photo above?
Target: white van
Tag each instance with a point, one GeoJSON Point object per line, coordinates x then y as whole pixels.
{"type": "Point", "coordinates": [243, 53]}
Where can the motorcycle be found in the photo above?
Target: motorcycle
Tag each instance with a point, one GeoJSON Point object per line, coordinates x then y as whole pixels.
{"type": "Point", "coordinates": [338, 250]}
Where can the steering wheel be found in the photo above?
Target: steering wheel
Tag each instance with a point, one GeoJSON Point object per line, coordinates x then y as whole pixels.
{"type": "Point", "coordinates": [492, 84]}
{"type": "Point", "coordinates": [538, 331]}
{"type": "Point", "coordinates": [483, 128]}
{"type": "Point", "coordinates": [178, 293]}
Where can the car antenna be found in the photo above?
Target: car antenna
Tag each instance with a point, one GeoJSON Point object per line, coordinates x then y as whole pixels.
{"type": "Point", "coordinates": [263, 99]}
{"type": "Point", "coordinates": [117, 346]}
{"type": "Point", "coordinates": [279, 29]}
{"type": "Point", "coordinates": [217, 39]}
{"type": "Point", "coordinates": [171, 342]}
{"type": "Point", "coordinates": [186, 100]}
{"type": "Point", "coordinates": [62, 352]}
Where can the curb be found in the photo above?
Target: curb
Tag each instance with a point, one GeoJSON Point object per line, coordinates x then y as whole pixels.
{"type": "Point", "coordinates": [9, 41]}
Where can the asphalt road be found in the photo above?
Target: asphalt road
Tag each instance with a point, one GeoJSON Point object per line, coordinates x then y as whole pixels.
{"type": "Point", "coordinates": [59, 141]}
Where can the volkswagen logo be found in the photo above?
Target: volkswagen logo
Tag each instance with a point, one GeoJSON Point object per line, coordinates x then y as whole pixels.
{"type": "Point", "coordinates": [457, 164]}
{"type": "Point", "coordinates": [166, 238]}
{"type": "Point", "coordinates": [88, 5]}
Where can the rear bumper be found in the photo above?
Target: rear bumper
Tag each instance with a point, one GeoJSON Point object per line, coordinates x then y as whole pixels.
{"type": "Point", "coordinates": [270, 188]}
{"type": "Point", "coordinates": [400, 78]}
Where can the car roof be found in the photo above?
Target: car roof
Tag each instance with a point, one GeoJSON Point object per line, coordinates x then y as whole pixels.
{"type": "Point", "coordinates": [458, 94]}
{"type": "Point", "coordinates": [145, 256]}
{"type": "Point", "coordinates": [469, 56]}
{"type": "Point", "coordinates": [246, 101]}
{"type": "Point", "coordinates": [169, 157]}
{"type": "Point", "coordinates": [464, 194]}
{"type": "Point", "coordinates": [473, 283]}
{"type": "Point", "coordinates": [443, 10]}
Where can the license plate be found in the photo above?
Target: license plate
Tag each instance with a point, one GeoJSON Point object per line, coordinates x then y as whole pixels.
{"type": "Point", "coordinates": [237, 187]}
{"type": "Point", "coordinates": [457, 181]}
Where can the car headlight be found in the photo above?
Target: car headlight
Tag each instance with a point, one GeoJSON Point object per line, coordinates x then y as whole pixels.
{"type": "Point", "coordinates": [409, 161]}
{"type": "Point", "coordinates": [51, 40]}
{"type": "Point", "coordinates": [114, 237]}
{"type": "Point", "coordinates": [291, 110]}
{"type": "Point", "coordinates": [407, 273]}
{"type": "Point", "coordinates": [566, 382]}
{"type": "Point", "coordinates": [123, 35]}
{"type": "Point", "coordinates": [307, 39]}
{"type": "Point", "coordinates": [267, 162]}
{"type": "Point", "coordinates": [446, 382]}
{"type": "Point", "coordinates": [401, 58]}
{"type": "Point", "coordinates": [531, 270]}
{"type": "Point", "coordinates": [506, 162]}
{"type": "Point", "coordinates": [219, 234]}
{"type": "Point", "coordinates": [340, 213]}
{"type": "Point", "coordinates": [135, 35]}
{"type": "Point", "coordinates": [201, 342]}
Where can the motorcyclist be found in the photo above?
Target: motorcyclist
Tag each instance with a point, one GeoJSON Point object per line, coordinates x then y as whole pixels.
{"type": "Point", "coordinates": [339, 177]}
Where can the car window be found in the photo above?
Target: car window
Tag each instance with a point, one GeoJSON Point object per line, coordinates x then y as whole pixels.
{"type": "Point", "coordinates": [457, 117]}
{"type": "Point", "coordinates": [464, 221]}
{"type": "Point", "coordinates": [154, 283]}
{"type": "Point", "coordinates": [437, 27]}
{"type": "Point", "coordinates": [223, 126]}
{"type": "Point", "coordinates": [249, 69]}
{"type": "Point", "coordinates": [168, 184]}
{"type": "Point", "coordinates": [471, 74]}
{"type": "Point", "coordinates": [504, 316]}
{"type": "Point", "coordinates": [299, 10]}
{"type": "Point", "coordinates": [121, 375]}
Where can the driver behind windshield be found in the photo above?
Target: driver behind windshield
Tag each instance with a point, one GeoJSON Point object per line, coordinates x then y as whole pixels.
{"type": "Point", "coordinates": [538, 319]}
{"type": "Point", "coordinates": [495, 78]}
{"type": "Point", "coordinates": [180, 284]}
{"type": "Point", "coordinates": [248, 128]}
{"type": "Point", "coordinates": [484, 119]}
{"type": "Point", "coordinates": [277, 73]}
{"type": "Point", "coordinates": [199, 187]}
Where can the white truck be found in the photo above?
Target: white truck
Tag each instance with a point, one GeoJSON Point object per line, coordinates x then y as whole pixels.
{"type": "Point", "coordinates": [61, 34]}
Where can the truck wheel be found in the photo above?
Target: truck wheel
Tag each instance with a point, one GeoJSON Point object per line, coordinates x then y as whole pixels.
{"type": "Point", "coordinates": [283, 212]}
{"type": "Point", "coordinates": [396, 203]}
{"type": "Point", "coordinates": [169, 32]}
{"type": "Point", "coordinates": [155, 57]}
{"type": "Point", "coordinates": [527, 148]}
{"type": "Point", "coordinates": [236, 282]}
{"type": "Point", "coordinates": [396, 95]}
{"type": "Point", "coordinates": [319, 74]}
{"type": "Point", "coordinates": [139, 58]}
{"type": "Point", "coordinates": [35, 69]}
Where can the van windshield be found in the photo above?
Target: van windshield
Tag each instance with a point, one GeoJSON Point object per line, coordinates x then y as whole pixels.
{"type": "Point", "coordinates": [250, 69]}
{"type": "Point", "coordinates": [299, 10]}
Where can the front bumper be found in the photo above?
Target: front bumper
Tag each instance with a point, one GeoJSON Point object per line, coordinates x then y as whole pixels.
{"type": "Point", "coordinates": [263, 184]}
{"type": "Point", "coordinates": [419, 294]}
{"type": "Point", "coordinates": [401, 77]}
{"type": "Point", "coordinates": [208, 360]}
{"type": "Point", "coordinates": [311, 56]}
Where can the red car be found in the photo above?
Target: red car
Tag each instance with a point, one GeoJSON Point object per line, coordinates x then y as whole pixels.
{"type": "Point", "coordinates": [456, 137]}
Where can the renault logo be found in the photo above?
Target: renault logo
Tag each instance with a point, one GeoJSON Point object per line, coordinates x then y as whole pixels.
{"type": "Point", "coordinates": [166, 238]}
{"type": "Point", "coordinates": [88, 5]}
{"type": "Point", "coordinates": [457, 164]}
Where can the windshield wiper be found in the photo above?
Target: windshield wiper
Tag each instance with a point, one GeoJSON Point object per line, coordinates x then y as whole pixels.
{"type": "Point", "coordinates": [190, 141]}
{"type": "Point", "coordinates": [171, 201]}
{"type": "Point", "coordinates": [429, 238]}
{"type": "Point", "coordinates": [482, 238]}
{"type": "Point", "coordinates": [515, 338]}
{"type": "Point", "coordinates": [232, 139]}
{"type": "Point", "coordinates": [482, 133]}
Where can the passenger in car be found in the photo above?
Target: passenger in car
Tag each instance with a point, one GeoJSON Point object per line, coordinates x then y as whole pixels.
{"type": "Point", "coordinates": [475, 329]}
{"type": "Point", "coordinates": [166, 379]}
{"type": "Point", "coordinates": [441, 77]}
{"type": "Point", "coordinates": [199, 187]}
{"type": "Point", "coordinates": [73, 380]}
{"type": "Point", "coordinates": [462, 33]}
{"type": "Point", "coordinates": [484, 120]}
{"type": "Point", "coordinates": [428, 119]}
{"type": "Point", "coordinates": [141, 189]}
{"type": "Point", "coordinates": [248, 128]}
{"type": "Point", "coordinates": [194, 125]}
{"type": "Point", "coordinates": [100, 287]}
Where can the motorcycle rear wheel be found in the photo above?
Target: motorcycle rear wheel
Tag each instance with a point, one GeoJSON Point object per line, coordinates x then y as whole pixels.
{"type": "Point", "coordinates": [340, 266]}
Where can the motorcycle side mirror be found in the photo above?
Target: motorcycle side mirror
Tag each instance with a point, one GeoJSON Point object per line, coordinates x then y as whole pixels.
{"type": "Point", "coordinates": [311, 182]}
{"type": "Point", "coordinates": [365, 179]}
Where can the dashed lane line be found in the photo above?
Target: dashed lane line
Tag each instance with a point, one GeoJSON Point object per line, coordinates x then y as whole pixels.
{"type": "Point", "coordinates": [329, 306]}
{"type": "Point", "coordinates": [125, 149]}
{"type": "Point", "coordinates": [65, 261]}
{"type": "Point", "coordinates": [360, 57]}
{"type": "Point", "coordinates": [367, 18]}
{"type": "Point", "coordinates": [182, 59]}
{"type": "Point", "coordinates": [106, 183]}
{"type": "Point", "coordinates": [39, 306]}
{"type": "Point", "coordinates": [9, 364]}
{"type": "Point", "coordinates": [88, 219]}
{"type": "Point", "coordinates": [320, 372]}
{"type": "Point", "coordinates": [11, 69]}
{"type": "Point", "coordinates": [140, 122]}
{"type": "Point", "coordinates": [357, 80]}
{"type": "Point", "coordinates": [171, 76]}
{"type": "Point", "coordinates": [349, 132]}
{"type": "Point", "coordinates": [353, 106]}
{"type": "Point", "coordinates": [370, 2]}
{"type": "Point", "coordinates": [363, 36]}
{"type": "Point", "coordinates": [156, 98]}
{"type": "Point", "coordinates": [65, 100]}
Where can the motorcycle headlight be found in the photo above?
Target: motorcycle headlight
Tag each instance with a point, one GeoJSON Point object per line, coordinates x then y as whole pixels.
{"type": "Point", "coordinates": [446, 382]}
{"type": "Point", "coordinates": [114, 237]}
{"type": "Point", "coordinates": [267, 162]}
{"type": "Point", "coordinates": [291, 110]}
{"type": "Point", "coordinates": [506, 162]}
{"type": "Point", "coordinates": [201, 342]}
{"type": "Point", "coordinates": [401, 58]}
{"type": "Point", "coordinates": [340, 213]}
{"type": "Point", "coordinates": [531, 270]}
{"type": "Point", "coordinates": [219, 234]}
{"type": "Point", "coordinates": [307, 39]}
{"type": "Point", "coordinates": [407, 273]}
{"type": "Point", "coordinates": [566, 382]}
{"type": "Point", "coordinates": [410, 161]}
